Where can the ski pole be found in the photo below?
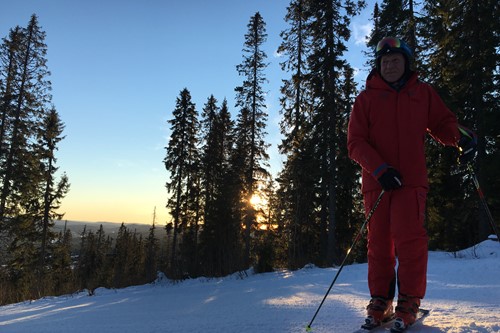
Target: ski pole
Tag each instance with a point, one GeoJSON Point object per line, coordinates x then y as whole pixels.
{"type": "Point", "coordinates": [358, 237]}
{"type": "Point", "coordinates": [483, 200]}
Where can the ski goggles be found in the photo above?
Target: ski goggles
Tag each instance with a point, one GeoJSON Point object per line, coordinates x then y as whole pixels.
{"type": "Point", "coordinates": [389, 43]}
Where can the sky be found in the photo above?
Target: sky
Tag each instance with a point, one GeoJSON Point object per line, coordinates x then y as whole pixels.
{"type": "Point", "coordinates": [463, 292]}
{"type": "Point", "coordinates": [117, 67]}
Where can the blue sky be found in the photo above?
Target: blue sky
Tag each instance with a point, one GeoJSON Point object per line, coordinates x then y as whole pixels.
{"type": "Point", "coordinates": [117, 68]}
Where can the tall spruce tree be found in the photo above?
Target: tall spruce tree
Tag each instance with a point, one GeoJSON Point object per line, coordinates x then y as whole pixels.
{"type": "Point", "coordinates": [52, 193]}
{"type": "Point", "coordinates": [211, 164]}
{"type": "Point", "coordinates": [227, 198]}
{"type": "Point", "coordinates": [220, 240]}
{"type": "Point", "coordinates": [151, 263]}
{"type": "Point", "coordinates": [30, 130]}
{"type": "Point", "coordinates": [329, 32]}
{"type": "Point", "coordinates": [392, 18]}
{"type": "Point", "coordinates": [443, 224]}
{"type": "Point", "coordinates": [182, 164]}
{"type": "Point", "coordinates": [315, 187]}
{"type": "Point", "coordinates": [251, 123]}
{"type": "Point", "coordinates": [210, 154]}
{"type": "Point", "coordinates": [296, 180]}
{"type": "Point", "coordinates": [122, 257]}
{"type": "Point", "coordinates": [26, 100]}
{"type": "Point", "coordinates": [460, 50]}
{"type": "Point", "coordinates": [349, 196]}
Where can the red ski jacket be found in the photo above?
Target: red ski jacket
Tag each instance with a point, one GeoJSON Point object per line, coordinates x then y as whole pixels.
{"type": "Point", "coordinates": [388, 128]}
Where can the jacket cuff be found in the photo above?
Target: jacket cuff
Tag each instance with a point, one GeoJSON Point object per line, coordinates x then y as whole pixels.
{"type": "Point", "coordinates": [380, 170]}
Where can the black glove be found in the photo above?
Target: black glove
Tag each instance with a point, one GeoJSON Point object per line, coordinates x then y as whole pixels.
{"type": "Point", "coordinates": [390, 179]}
{"type": "Point", "coordinates": [467, 145]}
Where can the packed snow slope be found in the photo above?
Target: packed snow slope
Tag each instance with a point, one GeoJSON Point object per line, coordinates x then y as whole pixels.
{"type": "Point", "coordinates": [463, 294]}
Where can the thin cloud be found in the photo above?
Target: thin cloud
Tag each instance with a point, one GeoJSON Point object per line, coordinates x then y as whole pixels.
{"type": "Point", "coordinates": [361, 33]}
{"type": "Point", "coordinates": [356, 72]}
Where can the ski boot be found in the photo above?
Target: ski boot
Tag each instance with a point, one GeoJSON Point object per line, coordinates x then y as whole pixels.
{"type": "Point", "coordinates": [406, 313]}
{"type": "Point", "coordinates": [378, 311]}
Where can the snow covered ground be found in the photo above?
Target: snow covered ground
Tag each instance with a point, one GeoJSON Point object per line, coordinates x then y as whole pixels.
{"type": "Point", "coordinates": [463, 293]}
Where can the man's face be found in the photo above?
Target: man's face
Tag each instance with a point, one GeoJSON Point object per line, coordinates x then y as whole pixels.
{"type": "Point", "coordinates": [392, 67]}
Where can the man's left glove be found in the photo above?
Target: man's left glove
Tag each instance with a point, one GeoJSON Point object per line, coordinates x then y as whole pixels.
{"type": "Point", "coordinates": [467, 145]}
{"type": "Point", "coordinates": [390, 179]}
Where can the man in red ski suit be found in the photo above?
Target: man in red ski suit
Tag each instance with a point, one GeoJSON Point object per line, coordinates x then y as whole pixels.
{"type": "Point", "coordinates": [387, 129]}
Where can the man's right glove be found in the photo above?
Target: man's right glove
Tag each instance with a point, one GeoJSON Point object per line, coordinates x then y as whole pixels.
{"type": "Point", "coordinates": [390, 179]}
{"type": "Point", "coordinates": [467, 145]}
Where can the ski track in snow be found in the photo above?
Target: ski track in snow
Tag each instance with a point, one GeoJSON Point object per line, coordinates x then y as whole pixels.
{"type": "Point", "coordinates": [463, 293]}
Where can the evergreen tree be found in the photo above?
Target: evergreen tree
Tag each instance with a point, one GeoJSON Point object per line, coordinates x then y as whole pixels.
{"type": "Point", "coordinates": [24, 105]}
{"type": "Point", "coordinates": [266, 248]}
{"type": "Point", "coordinates": [226, 206]}
{"type": "Point", "coordinates": [220, 241]}
{"type": "Point", "coordinates": [393, 18]}
{"type": "Point", "coordinates": [105, 259]}
{"type": "Point", "coordinates": [329, 32]}
{"type": "Point", "coordinates": [349, 196]}
{"type": "Point", "coordinates": [443, 222]}
{"type": "Point", "coordinates": [297, 185]}
{"type": "Point", "coordinates": [182, 162]}
{"type": "Point", "coordinates": [51, 193]}
{"type": "Point", "coordinates": [317, 181]}
{"type": "Point", "coordinates": [251, 156]}
{"type": "Point", "coordinates": [135, 268]}
{"type": "Point", "coordinates": [211, 164]}
{"type": "Point", "coordinates": [22, 259]}
{"type": "Point", "coordinates": [61, 273]}
{"type": "Point", "coordinates": [9, 51]}
{"type": "Point", "coordinates": [460, 49]}
{"type": "Point", "coordinates": [122, 257]}
{"type": "Point", "coordinates": [210, 154]}
{"type": "Point", "coordinates": [30, 130]}
{"type": "Point", "coordinates": [151, 264]}
{"type": "Point", "coordinates": [88, 262]}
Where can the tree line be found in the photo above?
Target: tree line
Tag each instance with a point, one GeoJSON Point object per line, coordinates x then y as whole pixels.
{"type": "Point", "coordinates": [228, 213]}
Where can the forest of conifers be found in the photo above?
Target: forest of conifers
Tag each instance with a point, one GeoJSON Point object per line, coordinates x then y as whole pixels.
{"type": "Point", "coordinates": [228, 213]}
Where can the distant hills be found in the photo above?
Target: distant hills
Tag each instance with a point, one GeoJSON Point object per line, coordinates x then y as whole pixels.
{"type": "Point", "coordinates": [110, 229]}
{"type": "Point", "coordinates": [77, 227]}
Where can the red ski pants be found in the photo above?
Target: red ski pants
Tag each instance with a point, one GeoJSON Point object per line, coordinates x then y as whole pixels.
{"type": "Point", "coordinates": [396, 230]}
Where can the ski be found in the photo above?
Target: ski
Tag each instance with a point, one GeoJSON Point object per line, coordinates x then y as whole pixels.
{"type": "Point", "coordinates": [387, 326]}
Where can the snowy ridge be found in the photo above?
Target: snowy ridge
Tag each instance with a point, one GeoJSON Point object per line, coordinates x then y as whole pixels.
{"type": "Point", "coordinates": [463, 293]}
